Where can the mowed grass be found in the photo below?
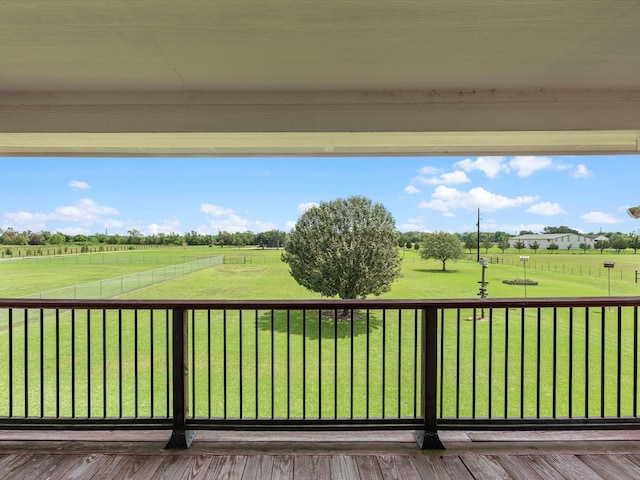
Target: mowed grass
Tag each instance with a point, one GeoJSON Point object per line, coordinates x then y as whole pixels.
{"type": "Point", "coordinates": [259, 274]}
{"type": "Point", "coordinates": [267, 364]}
{"type": "Point", "coordinates": [31, 275]}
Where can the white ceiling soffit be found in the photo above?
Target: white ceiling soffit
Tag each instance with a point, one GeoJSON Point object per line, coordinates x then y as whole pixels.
{"type": "Point", "coordinates": [317, 144]}
{"type": "Point", "coordinates": [297, 77]}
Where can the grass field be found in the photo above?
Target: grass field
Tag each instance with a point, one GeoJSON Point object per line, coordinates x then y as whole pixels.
{"type": "Point", "coordinates": [253, 274]}
{"type": "Point", "coordinates": [326, 356]}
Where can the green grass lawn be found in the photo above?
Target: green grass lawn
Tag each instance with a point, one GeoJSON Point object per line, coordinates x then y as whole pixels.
{"type": "Point", "coordinates": [257, 274]}
{"type": "Point", "coordinates": [336, 364]}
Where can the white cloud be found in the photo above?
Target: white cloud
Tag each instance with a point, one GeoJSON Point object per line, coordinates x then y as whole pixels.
{"type": "Point", "coordinates": [167, 226]}
{"type": "Point", "coordinates": [264, 226]}
{"type": "Point", "coordinates": [581, 171]}
{"type": "Point", "coordinates": [26, 218]}
{"type": "Point", "coordinates": [412, 227]}
{"type": "Point", "coordinates": [85, 211]}
{"type": "Point", "coordinates": [600, 217]}
{"type": "Point", "coordinates": [452, 178]}
{"type": "Point", "coordinates": [445, 199]}
{"type": "Point", "coordinates": [303, 207]}
{"type": "Point", "coordinates": [290, 224]}
{"type": "Point", "coordinates": [411, 190]}
{"type": "Point", "coordinates": [416, 224]}
{"type": "Point", "coordinates": [546, 208]}
{"type": "Point", "coordinates": [78, 185]}
{"type": "Point", "coordinates": [227, 220]}
{"type": "Point", "coordinates": [215, 210]}
{"type": "Point", "coordinates": [428, 170]}
{"type": "Point", "coordinates": [517, 228]}
{"type": "Point", "coordinates": [111, 223]}
{"type": "Point", "coordinates": [490, 166]}
{"type": "Point", "coordinates": [528, 165]}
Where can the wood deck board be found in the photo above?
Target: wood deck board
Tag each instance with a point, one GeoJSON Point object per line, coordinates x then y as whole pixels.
{"type": "Point", "coordinates": [199, 468]}
{"type": "Point", "coordinates": [485, 466]}
{"type": "Point", "coordinates": [283, 467]}
{"type": "Point", "coordinates": [29, 469]}
{"type": "Point", "coordinates": [531, 458]}
{"type": "Point", "coordinates": [399, 467]}
{"type": "Point", "coordinates": [607, 467]}
{"type": "Point", "coordinates": [451, 467]}
{"type": "Point", "coordinates": [424, 466]}
{"type": "Point", "coordinates": [343, 467]}
{"type": "Point", "coordinates": [173, 467]}
{"type": "Point", "coordinates": [259, 466]}
{"type": "Point", "coordinates": [89, 465]}
{"type": "Point", "coordinates": [12, 461]}
{"type": "Point", "coordinates": [370, 468]}
{"type": "Point", "coordinates": [139, 467]}
{"type": "Point", "coordinates": [312, 466]}
{"type": "Point", "coordinates": [544, 468]}
{"type": "Point", "coordinates": [54, 467]}
{"type": "Point", "coordinates": [517, 466]}
{"type": "Point", "coordinates": [625, 463]}
{"type": "Point", "coordinates": [571, 467]}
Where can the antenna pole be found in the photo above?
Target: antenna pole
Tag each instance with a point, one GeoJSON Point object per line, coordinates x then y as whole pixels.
{"type": "Point", "coordinates": [478, 225]}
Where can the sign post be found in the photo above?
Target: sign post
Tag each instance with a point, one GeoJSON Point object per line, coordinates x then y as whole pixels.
{"type": "Point", "coordinates": [524, 259]}
{"type": "Point", "coordinates": [609, 266]}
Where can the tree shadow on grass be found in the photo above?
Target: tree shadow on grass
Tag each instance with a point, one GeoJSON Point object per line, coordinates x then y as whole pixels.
{"type": "Point", "coordinates": [326, 324]}
{"type": "Point", "coordinates": [436, 270]}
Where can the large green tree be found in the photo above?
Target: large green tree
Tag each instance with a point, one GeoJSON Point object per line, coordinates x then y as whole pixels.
{"type": "Point", "coordinates": [441, 246]}
{"type": "Point", "coordinates": [346, 248]}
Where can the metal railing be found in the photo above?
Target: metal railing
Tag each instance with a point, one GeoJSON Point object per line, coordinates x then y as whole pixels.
{"type": "Point", "coordinates": [320, 364]}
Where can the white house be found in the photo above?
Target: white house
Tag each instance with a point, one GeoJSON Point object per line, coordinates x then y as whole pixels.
{"type": "Point", "coordinates": [565, 241]}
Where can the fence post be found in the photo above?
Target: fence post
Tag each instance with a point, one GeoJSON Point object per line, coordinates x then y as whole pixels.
{"type": "Point", "coordinates": [181, 438]}
{"type": "Point", "coordinates": [428, 438]}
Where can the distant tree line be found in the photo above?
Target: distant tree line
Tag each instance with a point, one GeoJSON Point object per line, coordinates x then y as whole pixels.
{"type": "Point", "coordinates": [268, 239]}
{"type": "Point", "coordinates": [411, 240]}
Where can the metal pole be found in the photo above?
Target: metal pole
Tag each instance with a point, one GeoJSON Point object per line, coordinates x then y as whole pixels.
{"type": "Point", "coordinates": [428, 438]}
{"type": "Point", "coordinates": [181, 438]}
{"type": "Point", "coordinates": [478, 224]}
{"type": "Point", "coordinates": [524, 259]}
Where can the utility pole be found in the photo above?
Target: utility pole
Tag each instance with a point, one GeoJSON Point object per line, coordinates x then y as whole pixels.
{"type": "Point", "coordinates": [478, 225]}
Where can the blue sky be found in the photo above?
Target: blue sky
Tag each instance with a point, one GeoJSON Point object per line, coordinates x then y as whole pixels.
{"type": "Point", "coordinates": [152, 195]}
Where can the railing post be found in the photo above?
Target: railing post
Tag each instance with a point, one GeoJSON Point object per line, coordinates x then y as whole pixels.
{"type": "Point", "coordinates": [180, 437]}
{"type": "Point", "coordinates": [428, 438]}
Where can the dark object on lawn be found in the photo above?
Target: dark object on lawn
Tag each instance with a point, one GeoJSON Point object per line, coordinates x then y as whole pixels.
{"type": "Point", "coordinates": [520, 282]}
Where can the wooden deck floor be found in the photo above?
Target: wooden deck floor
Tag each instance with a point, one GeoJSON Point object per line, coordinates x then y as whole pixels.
{"type": "Point", "coordinates": [378, 455]}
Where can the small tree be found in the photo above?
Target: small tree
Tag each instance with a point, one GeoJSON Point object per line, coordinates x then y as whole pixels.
{"type": "Point", "coordinates": [619, 242]}
{"type": "Point", "coordinates": [346, 248]}
{"type": "Point", "coordinates": [519, 245]}
{"type": "Point", "coordinates": [584, 247]}
{"type": "Point", "coordinates": [552, 247]}
{"type": "Point", "coordinates": [534, 246]}
{"type": "Point", "coordinates": [601, 245]}
{"type": "Point", "coordinates": [487, 244]}
{"type": "Point", "coordinates": [634, 242]}
{"type": "Point", "coordinates": [441, 246]}
{"type": "Point", "coordinates": [471, 242]}
{"type": "Point", "coordinates": [503, 244]}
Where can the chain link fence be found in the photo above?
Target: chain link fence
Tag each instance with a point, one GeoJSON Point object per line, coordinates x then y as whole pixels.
{"type": "Point", "coordinates": [116, 286]}
{"type": "Point", "coordinates": [108, 288]}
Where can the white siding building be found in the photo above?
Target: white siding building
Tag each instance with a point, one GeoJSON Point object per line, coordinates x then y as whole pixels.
{"type": "Point", "coordinates": [564, 241]}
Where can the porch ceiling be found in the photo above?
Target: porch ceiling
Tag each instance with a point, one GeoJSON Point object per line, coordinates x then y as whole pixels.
{"type": "Point", "coordinates": [248, 77]}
